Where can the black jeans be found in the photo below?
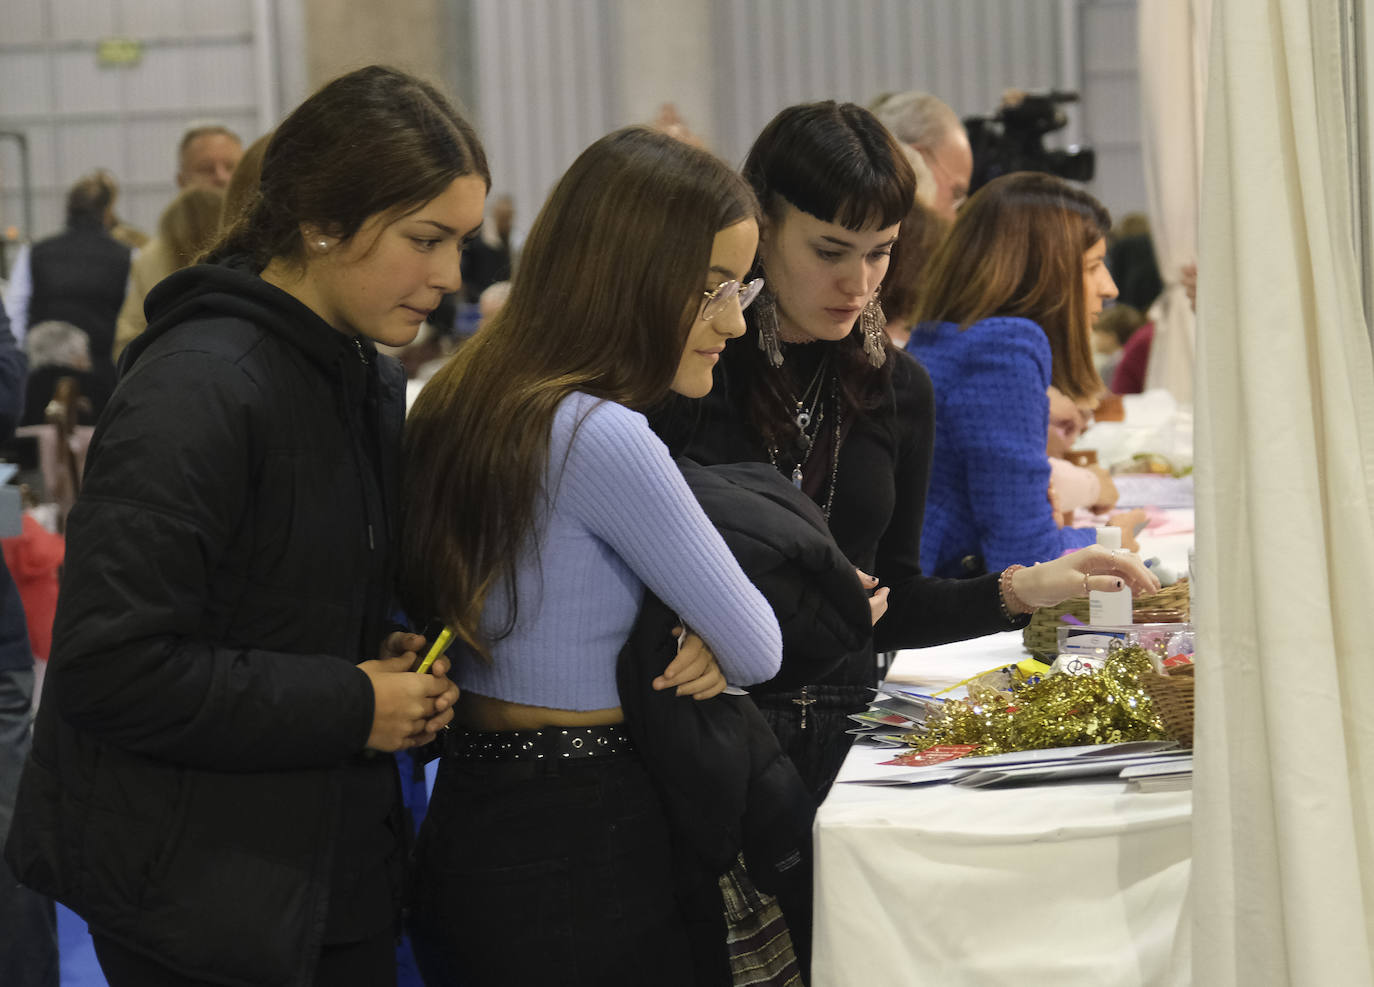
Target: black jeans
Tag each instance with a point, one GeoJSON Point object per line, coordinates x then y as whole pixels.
{"type": "Point", "coordinates": [819, 748]}
{"type": "Point", "coordinates": [371, 963]}
{"type": "Point", "coordinates": [547, 872]}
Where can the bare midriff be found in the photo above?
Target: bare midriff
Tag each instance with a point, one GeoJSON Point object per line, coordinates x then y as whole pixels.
{"type": "Point", "coordinates": [477, 712]}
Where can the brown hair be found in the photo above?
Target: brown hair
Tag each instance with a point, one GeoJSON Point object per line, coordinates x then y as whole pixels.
{"type": "Point", "coordinates": [1016, 248]}
{"type": "Point", "coordinates": [373, 141]}
{"type": "Point", "coordinates": [609, 285]}
{"type": "Point", "coordinates": [921, 233]}
{"type": "Point", "coordinates": [836, 162]}
{"type": "Point", "coordinates": [91, 198]}
{"type": "Point", "coordinates": [189, 223]}
{"type": "Point", "coordinates": [242, 190]}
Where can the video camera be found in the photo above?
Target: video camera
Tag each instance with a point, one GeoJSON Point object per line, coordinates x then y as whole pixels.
{"type": "Point", "coordinates": [1013, 140]}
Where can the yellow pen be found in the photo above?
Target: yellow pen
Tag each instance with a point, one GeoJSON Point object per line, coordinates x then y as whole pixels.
{"type": "Point", "coordinates": [440, 644]}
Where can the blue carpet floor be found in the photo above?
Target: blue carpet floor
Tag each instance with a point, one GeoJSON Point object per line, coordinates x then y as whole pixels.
{"type": "Point", "coordinates": [79, 968]}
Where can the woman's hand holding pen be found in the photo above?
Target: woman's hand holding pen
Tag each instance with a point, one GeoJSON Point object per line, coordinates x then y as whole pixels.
{"type": "Point", "coordinates": [408, 709]}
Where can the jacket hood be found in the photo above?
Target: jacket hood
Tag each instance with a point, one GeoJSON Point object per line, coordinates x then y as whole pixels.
{"type": "Point", "coordinates": [233, 288]}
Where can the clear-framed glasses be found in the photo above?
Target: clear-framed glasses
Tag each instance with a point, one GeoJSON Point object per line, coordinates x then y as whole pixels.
{"type": "Point", "coordinates": [719, 296]}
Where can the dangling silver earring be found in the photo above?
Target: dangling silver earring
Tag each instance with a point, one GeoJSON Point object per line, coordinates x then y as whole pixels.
{"type": "Point", "coordinates": [765, 310]}
{"type": "Point", "coordinates": [874, 325]}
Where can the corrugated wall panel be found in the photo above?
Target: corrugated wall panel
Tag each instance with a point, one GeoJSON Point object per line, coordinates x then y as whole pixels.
{"type": "Point", "coordinates": [1110, 113]}
{"type": "Point", "coordinates": [773, 53]}
{"type": "Point", "coordinates": [219, 18]}
{"type": "Point", "coordinates": [24, 20]}
{"type": "Point", "coordinates": [198, 62]}
{"type": "Point", "coordinates": [779, 52]}
{"type": "Point", "coordinates": [24, 84]}
{"type": "Point", "coordinates": [152, 156]}
{"type": "Point", "coordinates": [154, 18]}
{"type": "Point", "coordinates": [82, 20]}
{"type": "Point", "coordinates": [544, 90]}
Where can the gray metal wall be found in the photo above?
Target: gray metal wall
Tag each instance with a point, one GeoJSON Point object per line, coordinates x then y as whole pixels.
{"type": "Point", "coordinates": [544, 83]}
{"type": "Point", "coordinates": [1110, 114]}
{"type": "Point", "coordinates": [543, 78]}
{"type": "Point", "coordinates": [552, 75]}
{"type": "Point", "coordinates": [778, 52]}
{"type": "Point", "coordinates": [201, 60]}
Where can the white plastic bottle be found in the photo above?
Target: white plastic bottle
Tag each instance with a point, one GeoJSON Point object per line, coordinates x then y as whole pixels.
{"type": "Point", "coordinates": [1109, 609]}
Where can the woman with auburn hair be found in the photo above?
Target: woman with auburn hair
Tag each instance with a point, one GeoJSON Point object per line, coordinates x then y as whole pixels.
{"type": "Point", "coordinates": [538, 508]}
{"type": "Point", "coordinates": [818, 391]}
{"type": "Point", "coordinates": [211, 784]}
{"type": "Point", "coordinates": [1005, 311]}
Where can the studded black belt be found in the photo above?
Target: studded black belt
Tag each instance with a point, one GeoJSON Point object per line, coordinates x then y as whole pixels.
{"type": "Point", "coordinates": [550, 743]}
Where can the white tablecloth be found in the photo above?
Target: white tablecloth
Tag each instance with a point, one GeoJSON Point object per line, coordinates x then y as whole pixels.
{"type": "Point", "coordinates": [1058, 885]}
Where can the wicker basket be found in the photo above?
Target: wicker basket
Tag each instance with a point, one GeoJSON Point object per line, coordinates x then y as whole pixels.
{"type": "Point", "coordinates": [1173, 698]}
{"type": "Point", "coordinates": [1041, 634]}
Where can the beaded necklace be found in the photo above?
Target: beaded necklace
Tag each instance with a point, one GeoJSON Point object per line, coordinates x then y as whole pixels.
{"type": "Point", "coordinates": [809, 419]}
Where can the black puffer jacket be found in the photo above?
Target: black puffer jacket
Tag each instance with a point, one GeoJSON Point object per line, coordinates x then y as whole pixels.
{"type": "Point", "coordinates": [725, 782]}
{"type": "Point", "coordinates": [201, 730]}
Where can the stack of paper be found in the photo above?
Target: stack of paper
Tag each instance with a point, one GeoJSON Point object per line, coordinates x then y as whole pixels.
{"type": "Point", "coordinates": [1162, 776]}
{"type": "Point", "coordinates": [1153, 765]}
{"type": "Point", "coordinates": [892, 714]}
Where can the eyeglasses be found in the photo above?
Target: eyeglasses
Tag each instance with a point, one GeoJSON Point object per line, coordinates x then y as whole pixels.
{"type": "Point", "coordinates": [719, 296]}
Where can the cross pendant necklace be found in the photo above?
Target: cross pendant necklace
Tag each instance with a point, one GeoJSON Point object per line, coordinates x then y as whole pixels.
{"type": "Point", "coordinates": [805, 702]}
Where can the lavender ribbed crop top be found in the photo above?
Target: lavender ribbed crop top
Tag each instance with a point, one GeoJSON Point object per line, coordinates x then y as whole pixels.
{"type": "Point", "coordinates": [621, 517]}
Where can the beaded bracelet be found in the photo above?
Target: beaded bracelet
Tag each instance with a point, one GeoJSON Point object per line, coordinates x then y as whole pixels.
{"type": "Point", "coordinates": [1012, 605]}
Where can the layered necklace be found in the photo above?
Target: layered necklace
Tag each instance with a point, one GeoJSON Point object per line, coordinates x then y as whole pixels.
{"type": "Point", "coordinates": [809, 412]}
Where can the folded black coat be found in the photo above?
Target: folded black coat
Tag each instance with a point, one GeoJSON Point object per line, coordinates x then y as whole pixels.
{"type": "Point", "coordinates": [725, 783]}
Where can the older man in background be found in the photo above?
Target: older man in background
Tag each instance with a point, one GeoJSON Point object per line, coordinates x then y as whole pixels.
{"type": "Point", "coordinates": [928, 126]}
{"type": "Point", "coordinates": [207, 155]}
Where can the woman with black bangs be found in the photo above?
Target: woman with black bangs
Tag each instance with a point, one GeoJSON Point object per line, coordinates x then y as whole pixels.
{"type": "Point", "coordinates": [817, 390]}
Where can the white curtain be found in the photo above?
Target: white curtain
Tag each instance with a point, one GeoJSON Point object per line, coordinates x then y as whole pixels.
{"type": "Point", "coordinates": [1283, 859]}
{"type": "Point", "coordinates": [1173, 73]}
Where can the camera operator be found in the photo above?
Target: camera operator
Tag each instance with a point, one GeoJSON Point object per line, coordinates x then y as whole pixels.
{"type": "Point", "coordinates": [1013, 138]}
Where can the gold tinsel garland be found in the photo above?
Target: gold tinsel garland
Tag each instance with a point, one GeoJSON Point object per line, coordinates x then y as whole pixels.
{"type": "Point", "coordinates": [1064, 710]}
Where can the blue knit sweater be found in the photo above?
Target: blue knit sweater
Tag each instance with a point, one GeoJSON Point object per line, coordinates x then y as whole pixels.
{"type": "Point", "coordinates": [989, 484]}
{"type": "Point", "coordinates": [619, 517]}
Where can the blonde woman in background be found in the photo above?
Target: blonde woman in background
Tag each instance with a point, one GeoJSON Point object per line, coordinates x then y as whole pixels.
{"type": "Point", "coordinates": [186, 227]}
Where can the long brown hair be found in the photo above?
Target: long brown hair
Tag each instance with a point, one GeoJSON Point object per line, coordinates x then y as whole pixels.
{"type": "Point", "coordinates": [609, 286]}
{"type": "Point", "coordinates": [1016, 248]}
{"type": "Point", "coordinates": [921, 233]}
{"type": "Point", "coordinates": [836, 162]}
{"type": "Point", "coordinates": [372, 141]}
